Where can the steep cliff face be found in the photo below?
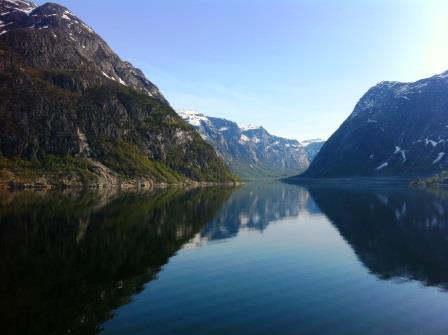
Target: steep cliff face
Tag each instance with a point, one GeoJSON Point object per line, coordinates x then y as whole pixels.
{"type": "Point", "coordinates": [73, 112]}
{"type": "Point", "coordinates": [251, 152]}
{"type": "Point", "coordinates": [396, 129]}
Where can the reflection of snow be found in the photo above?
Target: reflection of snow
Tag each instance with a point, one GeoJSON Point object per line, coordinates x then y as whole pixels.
{"type": "Point", "coordinates": [382, 166]}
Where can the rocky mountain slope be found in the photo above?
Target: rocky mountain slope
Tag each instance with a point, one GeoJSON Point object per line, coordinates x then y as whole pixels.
{"type": "Point", "coordinates": [312, 147]}
{"type": "Point", "coordinates": [251, 152]}
{"type": "Point", "coordinates": [396, 129]}
{"type": "Point", "coordinates": [74, 113]}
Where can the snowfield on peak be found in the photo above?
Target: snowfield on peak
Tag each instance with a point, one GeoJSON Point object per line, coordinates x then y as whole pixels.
{"type": "Point", "coordinates": [250, 127]}
{"type": "Point", "coordinates": [402, 127]}
{"type": "Point", "coordinates": [250, 151]}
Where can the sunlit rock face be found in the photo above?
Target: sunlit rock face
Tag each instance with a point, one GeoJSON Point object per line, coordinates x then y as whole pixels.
{"type": "Point", "coordinates": [250, 151]}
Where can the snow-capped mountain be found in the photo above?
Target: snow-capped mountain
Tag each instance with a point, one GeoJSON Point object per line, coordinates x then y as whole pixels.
{"type": "Point", "coordinates": [72, 112]}
{"type": "Point", "coordinates": [250, 151]}
{"type": "Point", "coordinates": [71, 39]}
{"type": "Point", "coordinates": [396, 129]}
{"type": "Point", "coordinates": [312, 147]}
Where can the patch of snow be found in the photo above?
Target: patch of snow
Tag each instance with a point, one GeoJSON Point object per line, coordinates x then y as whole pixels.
{"type": "Point", "coordinates": [122, 82]}
{"type": "Point", "coordinates": [357, 111]}
{"type": "Point", "coordinates": [109, 77]}
{"type": "Point", "coordinates": [371, 121]}
{"type": "Point", "coordinates": [439, 157]}
{"type": "Point", "coordinates": [223, 128]}
{"type": "Point", "coordinates": [87, 27]}
{"type": "Point", "coordinates": [403, 155]}
{"type": "Point", "coordinates": [2, 25]}
{"type": "Point", "coordinates": [403, 89]}
{"type": "Point", "coordinates": [398, 150]}
{"type": "Point", "coordinates": [27, 7]}
{"type": "Point", "coordinates": [148, 93]}
{"type": "Point", "coordinates": [432, 142]}
{"type": "Point", "coordinates": [193, 117]}
{"type": "Point", "coordinates": [420, 84]}
{"type": "Point", "coordinates": [382, 166]}
{"type": "Point", "coordinates": [244, 219]}
{"type": "Point", "coordinates": [249, 127]}
{"type": "Point", "coordinates": [244, 138]}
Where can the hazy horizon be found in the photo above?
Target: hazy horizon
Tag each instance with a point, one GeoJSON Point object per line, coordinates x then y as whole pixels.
{"type": "Point", "coordinates": [296, 68]}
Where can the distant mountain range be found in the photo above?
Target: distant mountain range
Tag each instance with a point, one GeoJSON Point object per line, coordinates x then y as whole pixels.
{"type": "Point", "coordinates": [72, 112]}
{"type": "Point", "coordinates": [251, 151]}
{"type": "Point", "coordinates": [312, 147]}
{"type": "Point", "coordinates": [396, 129]}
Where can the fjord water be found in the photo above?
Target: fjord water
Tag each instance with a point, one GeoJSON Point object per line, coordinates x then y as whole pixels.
{"type": "Point", "coordinates": [259, 259]}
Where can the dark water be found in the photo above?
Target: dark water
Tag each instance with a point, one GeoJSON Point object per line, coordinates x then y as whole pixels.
{"type": "Point", "coordinates": [260, 259]}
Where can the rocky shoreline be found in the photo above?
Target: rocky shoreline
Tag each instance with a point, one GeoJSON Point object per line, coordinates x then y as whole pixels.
{"type": "Point", "coordinates": [143, 184]}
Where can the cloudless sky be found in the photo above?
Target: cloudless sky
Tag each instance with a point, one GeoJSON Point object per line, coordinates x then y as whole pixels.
{"type": "Point", "coordinates": [297, 67]}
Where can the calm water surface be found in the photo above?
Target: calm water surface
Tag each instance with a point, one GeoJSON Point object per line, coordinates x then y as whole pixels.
{"type": "Point", "coordinates": [259, 259]}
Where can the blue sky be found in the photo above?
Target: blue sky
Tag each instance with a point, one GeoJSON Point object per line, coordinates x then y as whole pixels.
{"type": "Point", "coordinates": [295, 67]}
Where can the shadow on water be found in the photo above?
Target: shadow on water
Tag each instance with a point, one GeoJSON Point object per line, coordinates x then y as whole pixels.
{"type": "Point", "coordinates": [397, 233]}
{"type": "Point", "coordinates": [68, 260]}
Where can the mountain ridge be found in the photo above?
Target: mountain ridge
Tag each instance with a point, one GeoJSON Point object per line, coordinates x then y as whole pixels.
{"type": "Point", "coordinates": [396, 130]}
{"type": "Point", "coordinates": [76, 114]}
{"type": "Point", "coordinates": [250, 151]}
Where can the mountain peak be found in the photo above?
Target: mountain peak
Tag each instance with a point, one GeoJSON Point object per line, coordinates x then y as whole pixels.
{"type": "Point", "coordinates": [250, 151]}
{"type": "Point", "coordinates": [67, 95]}
{"type": "Point", "coordinates": [443, 75]}
{"type": "Point", "coordinates": [396, 129]}
{"type": "Point", "coordinates": [189, 112]}
{"type": "Point", "coordinates": [56, 36]}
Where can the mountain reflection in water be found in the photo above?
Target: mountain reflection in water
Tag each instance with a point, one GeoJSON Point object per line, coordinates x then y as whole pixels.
{"type": "Point", "coordinates": [396, 232]}
{"type": "Point", "coordinates": [68, 261]}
